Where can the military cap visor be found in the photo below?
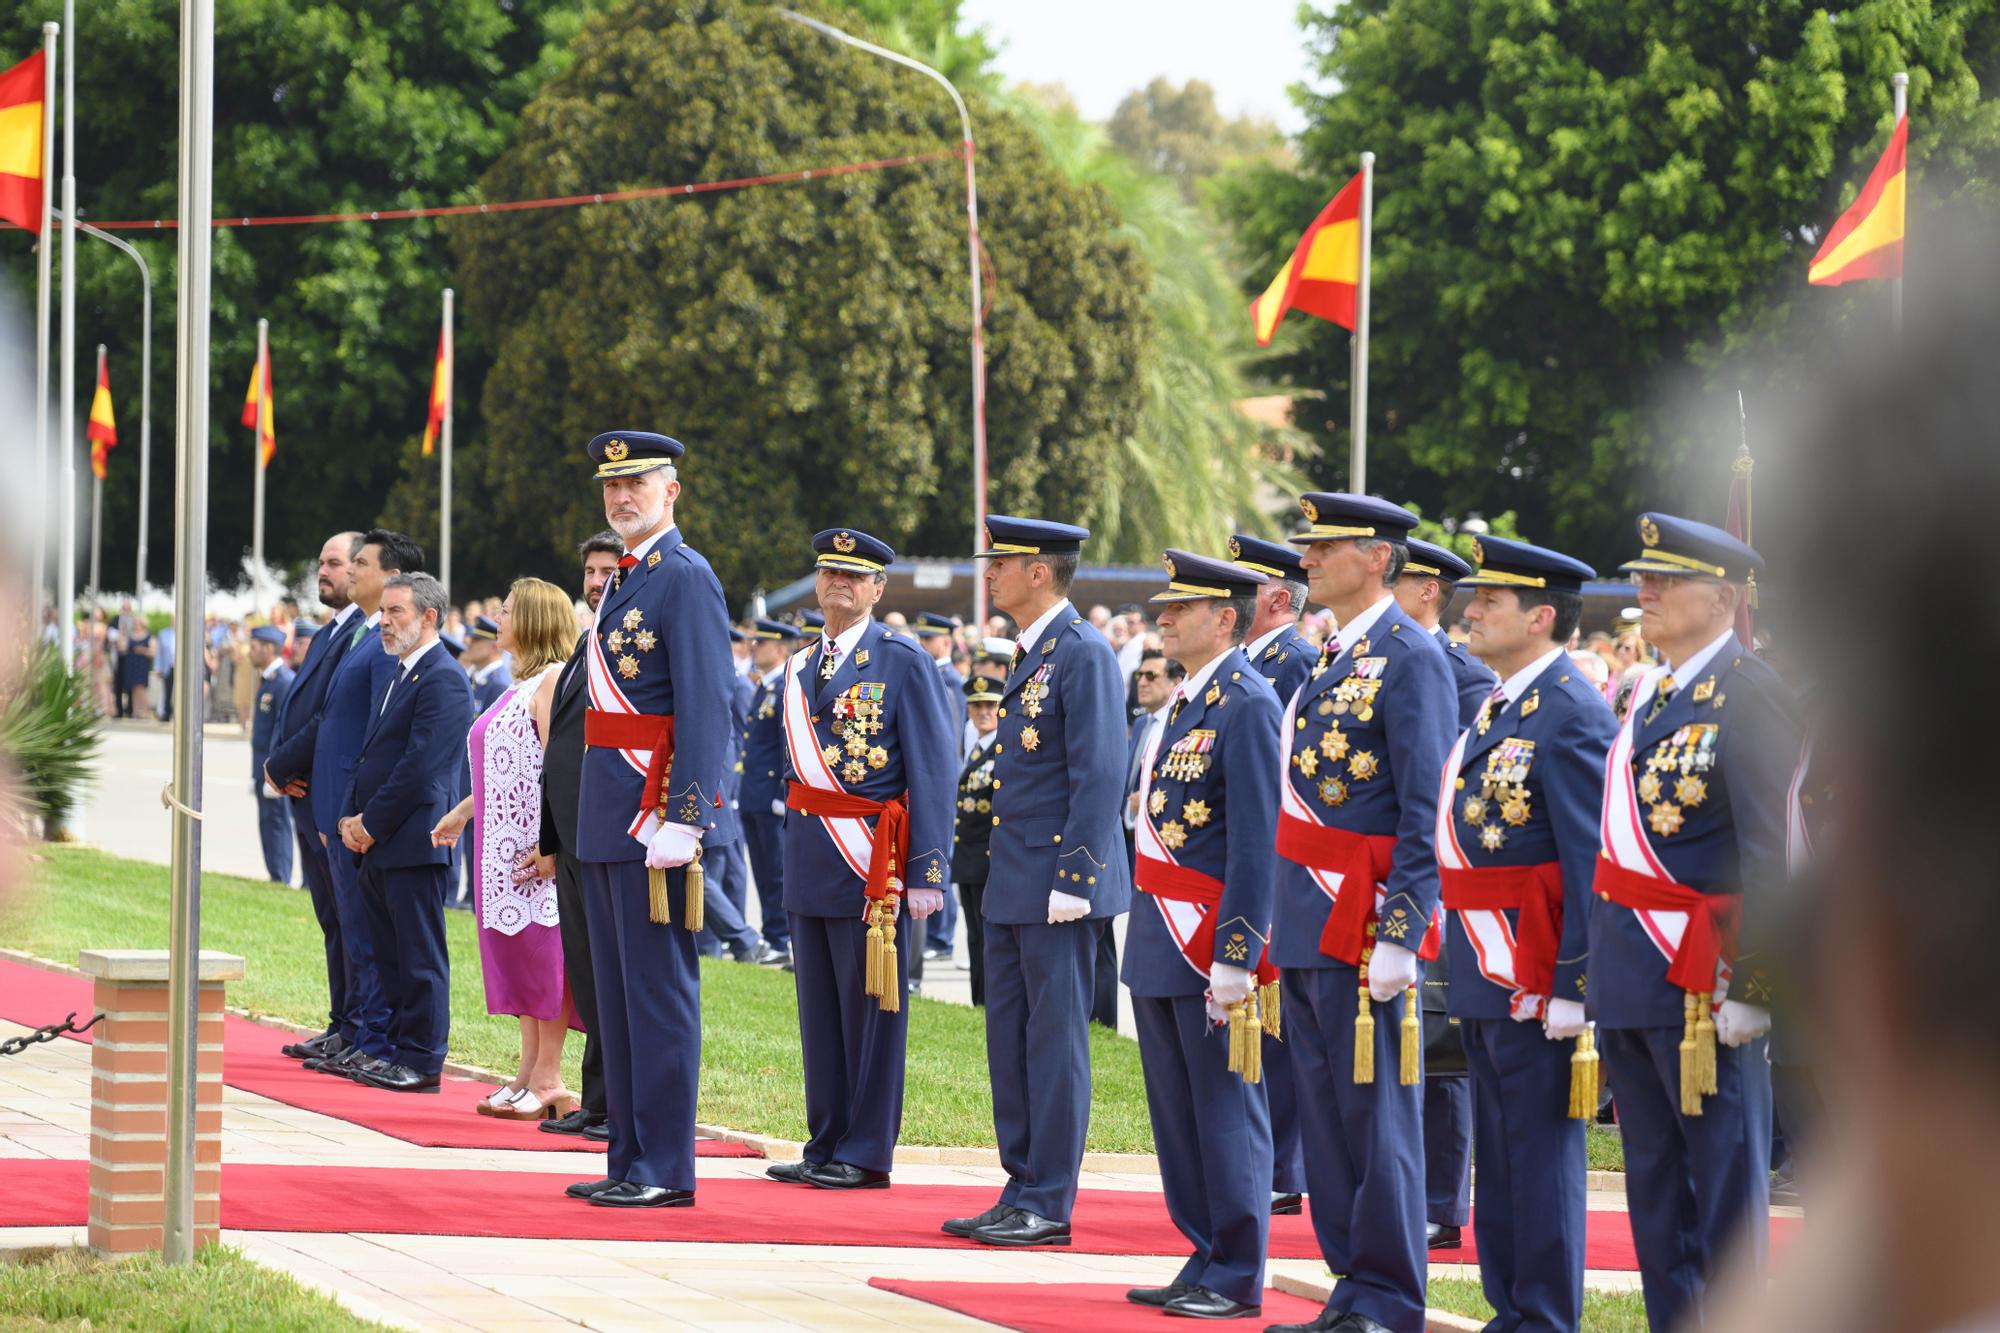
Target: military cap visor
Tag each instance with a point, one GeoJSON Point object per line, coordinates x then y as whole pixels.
{"type": "Point", "coordinates": [1687, 549]}
{"type": "Point", "coordinates": [1198, 578]}
{"type": "Point", "coordinates": [269, 634]}
{"type": "Point", "coordinates": [483, 628]}
{"type": "Point", "coordinates": [627, 453]}
{"type": "Point", "coordinates": [1006, 535]}
{"type": "Point", "coordinates": [1275, 559]}
{"type": "Point", "coordinates": [1511, 564]}
{"type": "Point", "coordinates": [772, 631]}
{"type": "Point", "coordinates": [852, 550]}
{"type": "Point", "coordinates": [984, 690]}
{"type": "Point", "coordinates": [1435, 562]}
{"type": "Point", "coordinates": [1333, 516]}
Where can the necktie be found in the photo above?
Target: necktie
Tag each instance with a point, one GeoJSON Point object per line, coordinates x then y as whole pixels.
{"type": "Point", "coordinates": [1180, 698]}
{"type": "Point", "coordinates": [1139, 753]}
{"type": "Point", "coordinates": [1020, 653]}
{"type": "Point", "coordinates": [1486, 710]}
{"type": "Point", "coordinates": [625, 562]}
{"type": "Point", "coordinates": [1660, 698]}
{"type": "Point", "coordinates": [360, 628]}
{"type": "Point", "coordinates": [829, 660]}
{"type": "Point", "coordinates": [389, 693]}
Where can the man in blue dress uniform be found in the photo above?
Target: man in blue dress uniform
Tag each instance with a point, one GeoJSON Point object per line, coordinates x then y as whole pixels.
{"type": "Point", "coordinates": [763, 796]}
{"type": "Point", "coordinates": [656, 738]}
{"type": "Point", "coordinates": [485, 664]}
{"type": "Point", "coordinates": [870, 748]}
{"type": "Point", "coordinates": [1366, 742]}
{"type": "Point", "coordinates": [1285, 658]}
{"type": "Point", "coordinates": [935, 631]}
{"type": "Point", "coordinates": [1424, 590]}
{"type": "Point", "coordinates": [1517, 844]}
{"type": "Point", "coordinates": [727, 874]}
{"type": "Point", "coordinates": [1196, 947]}
{"type": "Point", "coordinates": [274, 685]}
{"type": "Point", "coordinates": [1693, 819]}
{"type": "Point", "coordinates": [1057, 875]}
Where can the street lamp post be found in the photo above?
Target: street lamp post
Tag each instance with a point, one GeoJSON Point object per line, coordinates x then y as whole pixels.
{"type": "Point", "coordinates": [145, 387]}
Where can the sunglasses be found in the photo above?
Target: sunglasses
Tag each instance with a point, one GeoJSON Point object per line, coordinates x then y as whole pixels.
{"type": "Point", "coordinates": [1151, 675]}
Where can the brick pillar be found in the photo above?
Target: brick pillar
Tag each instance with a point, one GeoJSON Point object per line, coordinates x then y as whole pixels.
{"type": "Point", "coordinates": [128, 1098]}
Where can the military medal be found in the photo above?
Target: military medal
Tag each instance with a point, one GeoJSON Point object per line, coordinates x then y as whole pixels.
{"type": "Point", "coordinates": [633, 618]}
{"type": "Point", "coordinates": [1157, 802]}
{"type": "Point", "coordinates": [628, 667]}
{"type": "Point", "coordinates": [831, 754]}
{"type": "Point", "coordinates": [1173, 835]}
{"type": "Point", "coordinates": [645, 641]}
{"type": "Point", "coordinates": [1690, 790]}
{"type": "Point", "coordinates": [1362, 765]}
{"type": "Point", "coordinates": [1332, 791]}
{"type": "Point", "coordinates": [615, 641]}
{"type": "Point", "coordinates": [853, 771]}
{"type": "Point", "coordinates": [878, 757]}
{"type": "Point", "coordinates": [1307, 761]}
{"type": "Point", "coordinates": [1665, 819]}
{"type": "Point", "coordinates": [1195, 813]}
{"type": "Point", "coordinates": [1492, 837]}
{"type": "Point", "coordinates": [1031, 740]}
{"type": "Point", "coordinates": [1334, 745]}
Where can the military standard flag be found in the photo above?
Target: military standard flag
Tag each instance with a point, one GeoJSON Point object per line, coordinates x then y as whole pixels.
{"type": "Point", "coordinates": [257, 396]}
{"type": "Point", "coordinates": [103, 431]}
{"type": "Point", "coordinates": [1867, 241]}
{"type": "Point", "coordinates": [21, 173]}
{"type": "Point", "coordinates": [440, 397]}
{"type": "Point", "coordinates": [1323, 273]}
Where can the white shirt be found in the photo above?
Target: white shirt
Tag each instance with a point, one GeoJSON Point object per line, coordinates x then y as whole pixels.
{"type": "Point", "coordinates": [1030, 635]}
{"type": "Point", "coordinates": [639, 552]}
{"type": "Point", "coordinates": [1357, 629]}
{"type": "Point", "coordinates": [1154, 721]}
{"type": "Point", "coordinates": [1192, 686]}
{"type": "Point", "coordinates": [340, 617]}
{"type": "Point", "coordinates": [480, 675]}
{"type": "Point", "coordinates": [271, 670]}
{"type": "Point", "coordinates": [844, 642]}
{"type": "Point", "coordinates": [408, 662]}
{"type": "Point", "coordinates": [1517, 684]}
{"type": "Point", "coordinates": [1255, 648]}
{"type": "Point", "coordinates": [776, 673]}
{"type": "Point", "coordinates": [1688, 670]}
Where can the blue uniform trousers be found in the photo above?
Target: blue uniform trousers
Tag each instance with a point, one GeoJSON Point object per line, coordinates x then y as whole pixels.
{"type": "Point", "coordinates": [941, 930]}
{"type": "Point", "coordinates": [649, 1013]}
{"type": "Point", "coordinates": [853, 1051]}
{"type": "Point", "coordinates": [1694, 1184]}
{"type": "Point", "coordinates": [1531, 1220]}
{"type": "Point", "coordinates": [1448, 1149]}
{"type": "Point", "coordinates": [1038, 993]}
{"type": "Point", "coordinates": [1364, 1148]}
{"type": "Point", "coordinates": [1213, 1135]}
{"type": "Point", "coordinates": [724, 889]}
{"type": "Point", "coordinates": [1288, 1164]}
{"type": "Point", "coordinates": [274, 830]}
{"type": "Point", "coordinates": [405, 908]}
{"type": "Point", "coordinates": [764, 839]}
{"type": "Point", "coordinates": [319, 887]}
{"type": "Point", "coordinates": [367, 1002]}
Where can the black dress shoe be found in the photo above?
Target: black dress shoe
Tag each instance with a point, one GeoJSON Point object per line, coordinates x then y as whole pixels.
{"type": "Point", "coordinates": [318, 1063]}
{"type": "Point", "coordinates": [576, 1122]}
{"type": "Point", "coordinates": [599, 1132]}
{"type": "Point", "coordinates": [1441, 1238]}
{"type": "Point", "coordinates": [1325, 1322]}
{"type": "Point", "coordinates": [1157, 1295]}
{"type": "Point", "coordinates": [584, 1189]}
{"type": "Point", "coordinates": [965, 1226]}
{"type": "Point", "coordinates": [397, 1078]}
{"type": "Point", "coordinates": [1354, 1322]}
{"type": "Point", "coordinates": [841, 1176]}
{"type": "Point", "coordinates": [1286, 1205]}
{"type": "Point", "coordinates": [631, 1194]}
{"type": "Point", "coordinates": [765, 956]}
{"type": "Point", "coordinates": [792, 1173]}
{"type": "Point", "coordinates": [1201, 1303]}
{"type": "Point", "coordinates": [328, 1042]}
{"type": "Point", "coordinates": [1020, 1228]}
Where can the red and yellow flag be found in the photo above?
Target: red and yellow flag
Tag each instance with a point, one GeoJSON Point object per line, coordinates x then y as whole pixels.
{"type": "Point", "coordinates": [440, 398]}
{"type": "Point", "coordinates": [1867, 241]}
{"type": "Point", "coordinates": [103, 431]}
{"type": "Point", "coordinates": [260, 379]}
{"type": "Point", "coordinates": [21, 143]}
{"type": "Point", "coordinates": [1321, 276]}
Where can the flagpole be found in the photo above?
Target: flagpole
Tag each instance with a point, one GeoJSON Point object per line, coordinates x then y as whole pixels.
{"type": "Point", "coordinates": [1357, 457]}
{"type": "Point", "coordinates": [66, 407]}
{"type": "Point", "coordinates": [261, 377]}
{"type": "Point", "coordinates": [1900, 82]}
{"type": "Point", "coordinates": [96, 502]}
{"type": "Point", "coordinates": [444, 472]}
{"type": "Point", "coordinates": [191, 331]}
{"type": "Point", "coordinates": [42, 294]}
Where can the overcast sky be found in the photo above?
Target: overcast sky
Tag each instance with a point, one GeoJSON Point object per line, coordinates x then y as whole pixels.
{"type": "Point", "coordinates": [1249, 51]}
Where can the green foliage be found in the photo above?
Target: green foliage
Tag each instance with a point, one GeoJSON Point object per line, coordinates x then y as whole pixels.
{"type": "Point", "coordinates": [49, 736]}
{"type": "Point", "coordinates": [1179, 132]}
{"type": "Point", "coordinates": [1585, 214]}
{"type": "Point", "coordinates": [930, 31]}
{"type": "Point", "coordinates": [808, 342]}
{"type": "Point", "coordinates": [220, 1289]}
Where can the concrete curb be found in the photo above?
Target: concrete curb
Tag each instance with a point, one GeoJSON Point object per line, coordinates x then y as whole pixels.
{"type": "Point", "coordinates": [1318, 1289]}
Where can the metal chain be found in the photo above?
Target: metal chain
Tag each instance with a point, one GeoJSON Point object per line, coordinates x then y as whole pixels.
{"type": "Point", "coordinates": [15, 1045]}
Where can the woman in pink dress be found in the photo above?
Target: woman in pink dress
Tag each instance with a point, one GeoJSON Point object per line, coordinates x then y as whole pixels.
{"type": "Point", "coordinates": [520, 949]}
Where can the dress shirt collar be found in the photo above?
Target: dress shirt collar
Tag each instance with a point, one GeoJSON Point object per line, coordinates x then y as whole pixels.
{"type": "Point", "coordinates": [639, 552]}
{"type": "Point", "coordinates": [416, 653]}
{"type": "Point", "coordinates": [1255, 649]}
{"type": "Point", "coordinates": [1684, 672]}
{"type": "Point", "coordinates": [847, 638]}
{"type": "Point", "coordinates": [1191, 686]}
{"type": "Point", "coordinates": [1042, 622]}
{"type": "Point", "coordinates": [1517, 684]}
{"type": "Point", "coordinates": [1357, 629]}
{"type": "Point", "coordinates": [277, 663]}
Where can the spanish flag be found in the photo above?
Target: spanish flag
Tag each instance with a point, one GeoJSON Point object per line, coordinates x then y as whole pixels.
{"type": "Point", "coordinates": [1867, 241]}
{"type": "Point", "coordinates": [260, 378]}
{"type": "Point", "coordinates": [103, 431]}
{"type": "Point", "coordinates": [21, 143]}
{"type": "Point", "coordinates": [440, 397]}
{"type": "Point", "coordinates": [1321, 276]}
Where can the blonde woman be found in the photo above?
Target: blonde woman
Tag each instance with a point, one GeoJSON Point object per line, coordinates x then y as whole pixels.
{"type": "Point", "coordinates": [520, 950]}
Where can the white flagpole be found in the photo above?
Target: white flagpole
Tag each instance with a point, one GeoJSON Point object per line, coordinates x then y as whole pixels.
{"type": "Point", "coordinates": [1900, 81]}
{"type": "Point", "coordinates": [96, 501]}
{"type": "Point", "coordinates": [1357, 456]}
{"type": "Point", "coordinates": [444, 462]}
{"type": "Point", "coordinates": [257, 458]}
{"type": "Point", "coordinates": [42, 294]}
{"type": "Point", "coordinates": [66, 408]}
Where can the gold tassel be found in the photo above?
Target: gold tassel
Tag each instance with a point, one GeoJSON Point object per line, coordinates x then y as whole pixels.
{"type": "Point", "coordinates": [1268, 997]}
{"type": "Point", "coordinates": [1704, 1047]}
{"type": "Point", "coordinates": [1412, 1070]}
{"type": "Point", "coordinates": [1583, 1073]}
{"type": "Point", "coordinates": [1690, 1067]}
{"type": "Point", "coordinates": [892, 984]}
{"type": "Point", "coordinates": [1364, 1036]}
{"type": "Point", "coordinates": [1253, 1041]}
{"type": "Point", "coordinates": [697, 882]}
{"type": "Point", "coordinates": [1235, 1011]}
{"type": "Point", "coordinates": [656, 896]}
{"type": "Point", "coordinates": [872, 971]}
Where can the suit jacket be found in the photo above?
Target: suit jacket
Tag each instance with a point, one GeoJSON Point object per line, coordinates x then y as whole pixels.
{"type": "Point", "coordinates": [295, 728]}
{"type": "Point", "coordinates": [1058, 784]}
{"type": "Point", "coordinates": [271, 696]}
{"type": "Point", "coordinates": [909, 746]}
{"type": "Point", "coordinates": [764, 746]}
{"type": "Point", "coordinates": [1552, 741]}
{"type": "Point", "coordinates": [562, 757]}
{"type": "Point", "coordinates": [1214, 805]}
{"type": "Point", "coordinates": [1286, 663]}
{"type": "Point", "coordinates": [344, 718]}
{"type": "Point", "coordinates": [406, 774]}
{"type": "Point", "coordinates": [969, 853]}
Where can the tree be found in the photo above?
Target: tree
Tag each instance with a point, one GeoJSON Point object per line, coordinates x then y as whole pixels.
{"type": "Point", "coordinates": [1179, 132]}
{"type": "Point", "coordinates": [808, 342]}
{"type": "Point", "coordinates": [1586, 215]}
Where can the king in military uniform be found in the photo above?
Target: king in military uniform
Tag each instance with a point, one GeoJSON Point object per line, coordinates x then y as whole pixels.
{"type": "Point", "coordinates": [656, 741]}
{"type": "Point", "coordinates": [870, 740]}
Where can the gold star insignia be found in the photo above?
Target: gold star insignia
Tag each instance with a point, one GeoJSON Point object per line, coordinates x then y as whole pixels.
{"type": "Point", "coordinates": [935, 874]}
{"type": "Point", "coordinates": [1031, 740]}
{"type": "Point", "coordinates": [1665, 819]}
{"type": "Point", "coordinates": [856, 746]}
{"type": "Point", "coordinates": [878, 757]}
{"type": "Point", "coordinates": [615, 641]}
{"type": "Point", "coordinates": [1690, 790]}
{"type": "Point", "coordinates": [831, 754]}
{"type": "Point", "coordinates": [633, 618]}
{"type": "Point", "coordinates": [1195, 813]}
{"type": "Point", "coordinates": [1173, 835]}
{"type": "Point", "coordinates": [652, 559]}
{"type": "Point", "coordinates": [1363, 765]}
{"type": "Point", "coordinates": [1492, 837]}
{"type": "Point", "coordinates": [645, 641]}
{"type": "Point", "coordinates": [1333, 791]}
{"type": "Point", "coordinates": [1334, 745]}
{"type": "Point", "coordinates": [1157, 802]}
{"type": "Point", "coordinates": [853, 771]}
{"type": "Point", "coordinates": [1474, 811]}
{"type": "Point", "coordinates": [1308, 761]}
{"type": "Point", "coordinates": [1515, 812]}
{"type": "Point", "coordinates": [1649, 788]}
{"type": "Point", "coordinates": [967, 805]}
{"type": "Point", "coordinates": [628, 667]}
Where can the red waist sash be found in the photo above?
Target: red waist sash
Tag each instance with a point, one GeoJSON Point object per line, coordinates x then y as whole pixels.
{"type": "Point", "coordinates": [636, 731]}
{"type": "Point", "coordinates": [890, 847]}
{"type": "Point", "coordinates": [1362, 862]}
{"type": "Point", "coordinates": [1536, 892]}
{"type": "Point", "coordinates": [1176, 883]}
{"type": "Point", "coordinates": [1713, 918]}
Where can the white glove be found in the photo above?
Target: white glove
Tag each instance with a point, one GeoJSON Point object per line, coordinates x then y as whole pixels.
{"type": "Point", "coordinates": [1564, 1021]}
{"type": "Point", "coordinates": [1737, 1023]}
{"type": "Point", "coordinates": [674, 845]}
{"type": "Point", "coordinates": [778, 809]}
{"type": "Point", "coordinates": [1391, 970]}
{"type": "Point", "coordinates": [922, 902]}
{"type": "Point", "coordinates": [1066, 907]}
{"type": "Point", "coordinates": [1227, 986]}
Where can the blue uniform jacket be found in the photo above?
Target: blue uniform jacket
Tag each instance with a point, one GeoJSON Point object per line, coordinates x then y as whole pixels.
{"type": "Point", "coordinates": [299, 713]}
{"type": "Point", "coordinates": [764, 746]}
{"type": "Point", "coordinates": [1224, 820]}
{"type": "Point", "coordinates": [1559, 732]}
{"type": "Point", "coordinates": [1366, 752]}
{"type": "Point", "coordinates": [486, 695]}
{"type": "Point", "coordinates": [1741, 725]}
{"type": "Point", "coordinates": [954, 691]}
{"type": "Point", "coordinates": [1286, 662]}
{"type": "Point", "coordinates": [1469, 676]}
{"type": "Point", "coordinates": [681, 668]}
{"type": "Point", "coordinates": [406, 775]}
{"type": "Point", "coordinates": [1057, 778]}
{"type": "Point", "coordinates": [912, 746]}
{"type": "Point", "coordinates": [728, 820]}
{"type": "Point", "coordinates": [271, 696]}
{"type": "Point", "coordinates": [326, 753]}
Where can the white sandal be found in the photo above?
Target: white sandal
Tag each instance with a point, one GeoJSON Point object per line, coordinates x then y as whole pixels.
{"type": "Point", "coordinates": [500, 1099]}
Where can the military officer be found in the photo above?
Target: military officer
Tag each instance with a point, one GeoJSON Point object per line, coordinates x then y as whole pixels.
{"type": "Point", "coordinates": [1694, 818]}
{"type": "Point", "coordinates": [869, 743]}
{"type": "Point", "coordinates": [1285, 658]}
{"type": "Point", "coordinates": [1424, 590]}
{"type": "Point", "coordinates": [1196, 947]}
{"type": "Point", "coordinates": [969, 851]}
{"type": "Point", "coordinates": [485, 663]}
{"type": "Point", "coordinates": [1057, 877]}
{"type": "Point", "coordinates": [655, 741]}
{"type": "Point", "coordinates": [274, 686]}
{"type": "Point", "coordinates": [1517, 843]}
{"type": "Point", "coordinates": [936, 631]}
{"type": "Point", "coordinates": [763, 797]}
{"type": "Point", "coordinates": [1366, 741]}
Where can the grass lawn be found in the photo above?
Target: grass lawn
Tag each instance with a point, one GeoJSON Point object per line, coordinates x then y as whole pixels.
{"type": "Point", "coordinates": [1603, 1311]}
{"type": "Point", "coordinates": [750, 1074]}
{"type": "Point", "coordinates": [67, 1288]}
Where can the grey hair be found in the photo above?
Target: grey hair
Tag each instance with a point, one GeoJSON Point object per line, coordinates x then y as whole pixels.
{"type": "Point", "coordinates": [1245, 608]}
{"type": "Point", "coordinates": [1297, 589]}
{"type": "Point", "coordinates": [1062, 568]}
{"type": "Point", "coordinates": [1399, 555]}
{"type": "Point", "coordinates": [425, 591]}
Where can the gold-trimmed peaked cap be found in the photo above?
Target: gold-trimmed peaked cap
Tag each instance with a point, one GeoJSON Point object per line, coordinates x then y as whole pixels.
{"type": "Point", "coordinates": [851, 549]}
{"type": "Point", "coordinates": [1191, 578]}
{"type": "Point", "coordinates": [627, 453]}
{"type": "Point", "coordinates": [1274, 559]}
{"type": "Point", "coordinates": [1333, 516]}
{"type": "Point", "coordinates": [1510, 564]}
{"type": "Point", "coordinates": [1670, 545]}
{"type": "Point", "coordinates": [1431, 561]}
{"type": "Point", "coordinates": [1006, 535]}
{"type": "Point", "coordinates": [775, 631]}
{"type": "Point", "coordinates": [984, 690]}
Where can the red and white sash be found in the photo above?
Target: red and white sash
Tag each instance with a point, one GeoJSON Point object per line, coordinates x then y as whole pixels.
{"type": "Point", "coordinates": [606, 697]}
{"type": "Point", "coordinates": [1183, 919]}
{"type": "Point", "coordinates": [1623, 828]}
{"type": "Point", "coordinates": [851, 837]}
{"type": "Point", "coordinates": [1491, 935]}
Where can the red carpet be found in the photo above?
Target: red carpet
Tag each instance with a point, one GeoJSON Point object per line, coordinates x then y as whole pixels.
{"type": "Point", "coordinates": [252, 1062]}
{"type": "Point", "coordinates": [1060, 1307]}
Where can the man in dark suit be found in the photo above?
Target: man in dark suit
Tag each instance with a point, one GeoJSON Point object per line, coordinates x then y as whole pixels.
{"type": "Point", "coordinates": [300, 713]}
{"type": "Point", "coordinates": [762, 799]}
{"type": "Point", "coordinates": [562, 771]}
{"type": "Point", "coordinates": [405, 779]}
{"type": "Point", "coordinates": [1153, 684]}
{"type": "Point", "coordinates": [274, 683]}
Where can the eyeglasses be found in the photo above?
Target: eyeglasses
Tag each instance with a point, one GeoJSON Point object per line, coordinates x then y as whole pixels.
{"type": "Point", "coordinates": [1151, 675]}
